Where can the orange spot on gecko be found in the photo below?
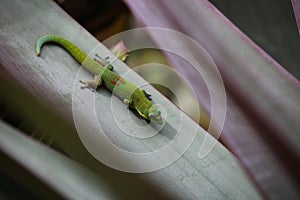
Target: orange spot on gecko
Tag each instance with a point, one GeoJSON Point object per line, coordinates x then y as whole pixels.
{"type": "Point", "coordinates": [122, 81]}
{"type": "Point", "coordinates": [114, 83]}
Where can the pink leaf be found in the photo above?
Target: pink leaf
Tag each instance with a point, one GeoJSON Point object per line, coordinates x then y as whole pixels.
{"type": "Point", "coordinates": [262, 122]}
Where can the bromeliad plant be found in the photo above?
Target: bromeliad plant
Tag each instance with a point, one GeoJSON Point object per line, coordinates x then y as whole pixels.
{"type": "Point", "coordinates": [262, 123]}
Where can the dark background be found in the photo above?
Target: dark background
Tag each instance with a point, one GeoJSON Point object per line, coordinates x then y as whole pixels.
{"type": "Point", "coordinates": [271, 24]}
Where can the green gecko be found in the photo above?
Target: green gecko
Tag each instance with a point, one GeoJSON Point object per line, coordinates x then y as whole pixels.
{"type": "Point", "coordinates": [131, 95]}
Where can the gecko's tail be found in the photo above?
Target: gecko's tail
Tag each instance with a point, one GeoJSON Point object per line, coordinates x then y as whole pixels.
{"type": "Point", "coordinates": [38, 46]}
{"type": "Point", "coordinates": [42, 40]}
{"type": "Point", "coordinates": [77, 53]}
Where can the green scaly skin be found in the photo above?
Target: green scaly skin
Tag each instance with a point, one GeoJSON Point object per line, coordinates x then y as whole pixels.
{"type": "Point", "coordinates": [125, 90]}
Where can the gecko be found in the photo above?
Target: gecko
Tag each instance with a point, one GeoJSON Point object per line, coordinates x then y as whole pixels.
{"type": "Point", "coordinates": [131, 95]}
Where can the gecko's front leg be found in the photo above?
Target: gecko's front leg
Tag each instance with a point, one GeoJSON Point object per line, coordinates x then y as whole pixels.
{"type": "Point", "coordinates": [147, 95]}
{"type": "Point", "coordinates": [92, 84]}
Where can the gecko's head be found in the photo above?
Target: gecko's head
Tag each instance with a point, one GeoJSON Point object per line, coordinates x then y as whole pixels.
{"type": "Point", "coordinates": [155, 115]}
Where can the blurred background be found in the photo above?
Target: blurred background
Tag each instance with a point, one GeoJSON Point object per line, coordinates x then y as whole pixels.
{"type": "Point", "coordinates": [271, 24]}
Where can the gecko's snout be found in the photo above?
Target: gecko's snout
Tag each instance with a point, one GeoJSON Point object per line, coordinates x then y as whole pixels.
{"type": "Point", "coordinates": [155, 115]}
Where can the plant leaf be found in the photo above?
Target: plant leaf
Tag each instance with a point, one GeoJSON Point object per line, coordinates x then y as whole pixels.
{"type": "Point", "coordinates": [296, 7]}
{"type": "Point", "coordinates": [263, 98]}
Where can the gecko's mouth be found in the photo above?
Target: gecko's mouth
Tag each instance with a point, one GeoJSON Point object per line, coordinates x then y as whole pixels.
{"type": "Point", "coordinates": [156, 117]}
{"type": "Point", "coordinates": [159, 121]}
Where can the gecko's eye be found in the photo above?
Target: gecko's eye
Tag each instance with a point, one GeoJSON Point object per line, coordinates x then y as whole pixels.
{"type": "Point", "coordinates": [151, 115]}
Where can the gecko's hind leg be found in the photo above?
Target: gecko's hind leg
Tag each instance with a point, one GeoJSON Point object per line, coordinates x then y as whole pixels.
{"type": "Point", "coordinates": [104, 62]}
{"type": "Point", "coordinates": [92, 84]}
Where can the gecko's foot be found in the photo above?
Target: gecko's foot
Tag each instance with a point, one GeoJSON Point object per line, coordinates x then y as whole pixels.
{"type": "Point", "coordinates": [88, 84]}
{"type": "Point", "coordinates": [104, 62]}
{"type": "Point", "coordinates": [147, 95]}
{"type": "Point", "coordinates": [92, 89]}
{"type": "Point", "coordinates": [126, 102]}
{"type": "Point", "coordinates": [101, 61]}
{"type": "Point", "coordinates": [92, 84]}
